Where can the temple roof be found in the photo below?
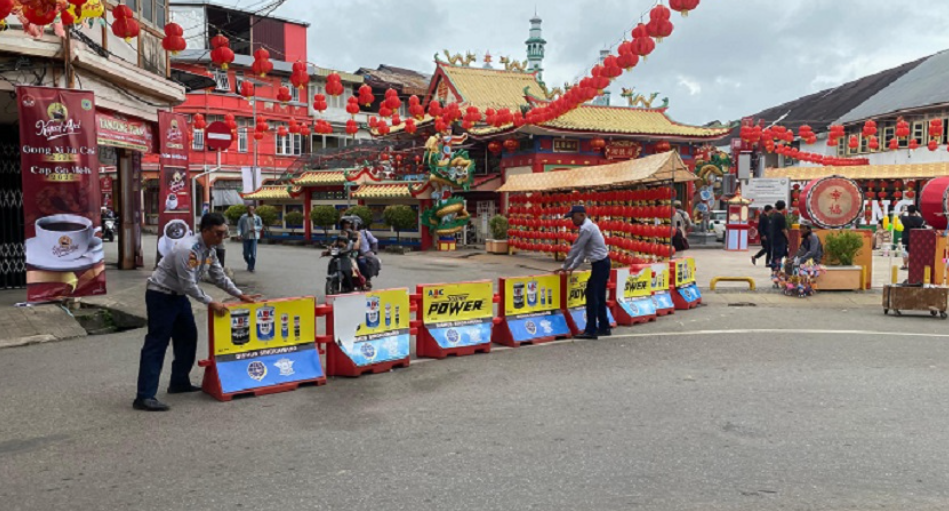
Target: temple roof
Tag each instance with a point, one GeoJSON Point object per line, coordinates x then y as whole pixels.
{"type": "Point", "coordinates": [383, 191]}
{"type": "Point", "coordinates": [273, 192]}
{"type": "Point", "coordinates": [490, 88]}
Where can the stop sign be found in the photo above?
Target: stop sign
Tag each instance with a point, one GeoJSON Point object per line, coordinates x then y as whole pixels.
{"type": "Point", "coordinates": [218, 136]}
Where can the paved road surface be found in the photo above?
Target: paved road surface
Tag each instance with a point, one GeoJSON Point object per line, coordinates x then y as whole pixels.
{"type": "Point", "coordinates": [684, 414]}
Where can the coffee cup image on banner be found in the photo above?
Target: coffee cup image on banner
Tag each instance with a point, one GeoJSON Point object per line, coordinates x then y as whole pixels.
{"type": "Point", "coordinates": [64, 242]}
{"type": "Point", "coordinates": [175, 232]}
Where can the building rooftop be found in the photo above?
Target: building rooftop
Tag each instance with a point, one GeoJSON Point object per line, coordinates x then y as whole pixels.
{"type": "Point", "coordinates": [196, 3]}
{"type": "Point", "coordinates": [411, 82]}
{"type": "Point", "coordinates": [490, 88]}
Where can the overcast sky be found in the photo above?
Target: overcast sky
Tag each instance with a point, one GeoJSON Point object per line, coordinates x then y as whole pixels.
{"type": "Point", "coordinates": [729, 58]}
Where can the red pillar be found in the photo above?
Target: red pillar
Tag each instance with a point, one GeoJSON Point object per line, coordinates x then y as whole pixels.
{"type": "Point", "coordinates": [307, 206]}
{"type": "Point", "coordinates": [424, 204]}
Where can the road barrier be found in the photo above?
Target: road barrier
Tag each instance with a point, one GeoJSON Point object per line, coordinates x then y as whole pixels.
{"type": "Point", "coordinates": [660, 290]}
{"type": "Point", "coordinates": [633, 295]}
{"type": "Point", "coordinates": [530, 311]}
{"type": "Point", "coordinates": [686, 294]}
{"type": "Point", "coordinates": [574, 288]}
{"type": "Point", "coordinates": [456, 319]}
{"type": "Point", "coordinates": [262, 348]}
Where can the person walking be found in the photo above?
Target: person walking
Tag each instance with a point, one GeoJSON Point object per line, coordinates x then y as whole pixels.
{"type": "Point", "coordinates": [778, 232]}
{"type": "Point", "coordinates": [682, 223]}
{"type": "Point", "coordinates": [764, 226]}
{"type": "Point", "coordinates": [910, 220]}
{"type": "Point", "coordinates": [249, 228]}
{"type": "Point", "coordinates": [591, 246]}
{"type": "Point", "coordinates": [169, 312]}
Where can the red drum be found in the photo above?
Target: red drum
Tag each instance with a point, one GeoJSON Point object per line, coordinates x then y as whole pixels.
{"type": "Point", "coordinates": [832, 202]}
{"type": "Point", "coordinates": [933, 203]}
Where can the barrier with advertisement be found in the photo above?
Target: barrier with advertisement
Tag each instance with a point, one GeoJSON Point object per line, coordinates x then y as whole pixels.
{"type": "Point", "coordinates": [530, 310]}
{"type": "Point", "coordinates": [262, 348]}
{"type": "Point", "coordinates": [633, 295]}
{"type": "Point", "coordinates": [575, 302]}
{"type": "Point", "coordinates": [661, 296]}
{"type": "Point", "coordinates": [456, 319]}
{"type": "Point", "coordinates": [686, 294]}
{"type": "Point", "coordinates": [370, 332]}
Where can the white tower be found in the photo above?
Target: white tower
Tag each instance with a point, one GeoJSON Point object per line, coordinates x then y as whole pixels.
{"type": "Point", "coordinates": [535, 48]}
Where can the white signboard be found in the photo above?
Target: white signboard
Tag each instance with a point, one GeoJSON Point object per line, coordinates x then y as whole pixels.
{"type": "Point", "coordinates": [767, 191]}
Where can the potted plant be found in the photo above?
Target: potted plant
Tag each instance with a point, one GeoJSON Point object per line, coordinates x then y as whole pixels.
{"type": "Point", "coordinates": [840, 252]}
{"type": "Point", "coordinates": [401, 218]}
{"type": "Point", "coordinates": [325, 217]}
{"type": "Point", "coordinates": [498, 242]}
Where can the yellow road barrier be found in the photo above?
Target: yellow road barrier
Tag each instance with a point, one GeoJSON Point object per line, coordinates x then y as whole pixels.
{"type": "Point", "coordinates": [749, 280]}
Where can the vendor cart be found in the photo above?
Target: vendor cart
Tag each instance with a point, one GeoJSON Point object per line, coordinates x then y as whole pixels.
{"type": "Point", "coordinates": [901, 298]}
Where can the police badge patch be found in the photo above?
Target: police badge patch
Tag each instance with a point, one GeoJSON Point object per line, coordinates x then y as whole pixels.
{"type": "Point", "coordinates": [257, 370]}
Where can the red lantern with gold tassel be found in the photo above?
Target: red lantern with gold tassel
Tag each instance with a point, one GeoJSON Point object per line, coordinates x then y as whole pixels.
{"type": "Point", "coordinates": [643, 45]}
{"type": "Point", "coordinates": [659, 25]}
{"type": "Point", "coordinates": [221, 54]}
{"type": "Point", "coordinates": [173, 42]}
{"type": "Point", "coordinates": [262, 64]}
{"type": "Point", "coordinates": [683, 6]}
{"type": "Point", "coordinates": [124, 25]}
{"type": "Point", "coordinates": [366, 98]}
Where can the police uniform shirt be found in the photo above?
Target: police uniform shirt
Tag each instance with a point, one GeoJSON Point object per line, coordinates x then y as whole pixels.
{"type": "Point", "coordinates": [589, 245]}
{"type": "Point", "coordinates": [180, 272]}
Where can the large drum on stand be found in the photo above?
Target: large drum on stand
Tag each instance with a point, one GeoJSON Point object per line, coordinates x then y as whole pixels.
{"type": "Point", "coordinates": [934, 203]}
{"type": "Point", "coordinates": [832, 202]}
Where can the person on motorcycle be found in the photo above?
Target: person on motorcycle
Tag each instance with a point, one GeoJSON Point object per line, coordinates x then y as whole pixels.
{"type": "Point", "coordinates": [343, 244]}
{"type": "Point", "coordinates": [367, 247]}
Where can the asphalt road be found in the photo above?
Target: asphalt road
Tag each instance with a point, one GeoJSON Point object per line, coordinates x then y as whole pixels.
{"type": "Point", "coordinates": [721, 408]}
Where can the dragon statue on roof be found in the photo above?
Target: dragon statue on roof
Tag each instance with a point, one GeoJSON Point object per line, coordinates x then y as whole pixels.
{"type": "Point", "coordinates": [450, 168]}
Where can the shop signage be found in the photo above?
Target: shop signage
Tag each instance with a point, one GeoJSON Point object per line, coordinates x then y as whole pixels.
{"type": "Point", "coordinates": [371, 328]}
{"type": "Point", "coordinates": [767, 191]}
{"type": "Point", "coordinates": [266, 344]}
{"type": "Point", "coordinates": [622, 150]}
{"type": "Point", "coordinates": [459, 315]}
{"type": "Point", "coordinates": [116, 131]}
{"type": "Point", "coordinates": [61, 194]}
{"type": "Point", "coordinates": [174, 188]}
{"type": "Point", "coordinates": [566, 146]}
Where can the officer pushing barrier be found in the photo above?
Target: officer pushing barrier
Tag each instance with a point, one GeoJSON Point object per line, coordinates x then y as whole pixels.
{"type": "Point", "coordinates": [686, 294]}
{"type": "Point", "coordinates": [456, 319]}
{"type": "Point", "coordinates": [633, 296]}
{"type": "Point", "coordinates": [574, 288]}
{"type": "Point", "coordinates": [530, 311]}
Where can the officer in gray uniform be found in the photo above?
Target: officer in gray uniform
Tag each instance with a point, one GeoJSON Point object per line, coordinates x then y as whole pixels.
{"type": "Point", "coordinates": [169, 311]}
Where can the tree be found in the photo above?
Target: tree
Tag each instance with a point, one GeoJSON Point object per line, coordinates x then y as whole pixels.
{"type": "Point", "coordinates": [235, 212]}
{"type": "Point", "coordinates": [325, 217]}
{"type": "Point", "coordinates": [269, 215]}
{"type": "Point", "coordinates": [293, 219]}
{"type": "Point", "coordinates": [401, 218]}
{"type": "Point", "coordinates": [364, 214]}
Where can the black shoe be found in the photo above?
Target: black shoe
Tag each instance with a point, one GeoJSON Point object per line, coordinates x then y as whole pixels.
{"type": "Point", "coordinates": [184, 390]}
{"type": "Point", "coordinates": [150, 405]}
{"type": "Point", "coordinates": [754, 260]}
{"type": "Point", "coordinates": [604, 333]}
{"type": "Point", "coordinates": [586, 336]}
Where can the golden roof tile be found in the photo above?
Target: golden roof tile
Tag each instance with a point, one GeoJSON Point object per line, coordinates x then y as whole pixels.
{"type": "Point", "coordinates": [273, 192]}
{"type": "Point", "coordinates": [322, 178]}
{"type": "Point", "coordinates": [383, 191]}
{"type": "Point", "coordinates": [906, 171]}
{"type": "Point", "coordinates": [629, 121]}
{"type": "Point", "coordinates": [490, 88]}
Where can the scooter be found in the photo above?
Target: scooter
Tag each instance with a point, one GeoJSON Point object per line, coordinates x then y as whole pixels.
{"type": "Point", "coordinates": [334, 273]}
{"type": "Point", "coordinates": [110, 229]}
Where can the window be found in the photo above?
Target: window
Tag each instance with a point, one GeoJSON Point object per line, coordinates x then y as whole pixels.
{"type": "Point", "coordinates": [294, 92]}
{"type": "Point", "coordinates": [160, 13]}
{"type": "Point", "coordinates": [864, 147]}
{"type": "Point", "coordinates": [842, 147]}
{"type": "Point", "coordinates": [919, 132]}
{"type": "Point", "coordinates": [222, 80]}
{"type": "Point", "coordinates": [197, 142]}
{"type": "Point", "coordinates": [888, 134]}
{"type": "Point", "coordinates": [290, 145]}
{"type": "Point", "coordinates": [242, 140]}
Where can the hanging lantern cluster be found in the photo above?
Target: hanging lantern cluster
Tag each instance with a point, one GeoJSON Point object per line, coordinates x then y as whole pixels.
{"type": "Point", "coordinates": [248, 90]}
{"type": "Point", "coordinates": [262, 64]}
{"type": "Point", "coordinates": [636, 224]}
{"type": "Point", "coordinates": [415, 108]}
{"type": "Point", "coordinates": [750, 134]}
{"type": "Point", "coordinates": [659, 25]}
{"type": "Point", "coordinates": [124, 24]}
{"type": "Point", "coordinates": [198, 122]}
{"type": "Point", "coordinates": [299, 77]}
{"type": "Point", "coordinates": [334, 85]}
{"type": "Point", "coordinates": [319, 103]}
{"type": "Point", "coordinates": [221, 54]}
{"type": "Point", "coordinates": [806, 133]}
{"type": "Point", "coordinates": [366, 97]}
{"type": "Point", "coordinates": [323, 127]}
{"type": "Point", "coordinates": [283, 95]}
{"type": "Point", "coordinates": [935, 133]}
{"type": "Point", "coordinates": [260, 129]}
{"type": "Point", "coordinates": [836, 133]}
{"type": "Point", "coordinates": [174, 41]}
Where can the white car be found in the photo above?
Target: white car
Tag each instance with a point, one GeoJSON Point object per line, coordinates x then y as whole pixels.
{"type": "Point", "coordinates": [717, 224]}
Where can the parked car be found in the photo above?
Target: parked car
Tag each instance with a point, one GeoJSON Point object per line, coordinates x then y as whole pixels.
{"type": "Point", "coordinates": [717, 224]}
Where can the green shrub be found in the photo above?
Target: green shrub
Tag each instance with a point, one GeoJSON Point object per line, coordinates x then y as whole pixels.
{"type": "Point", "coordinates": [268, 215]}
{"type": "Point", "coordinates": [325, 217]}
{"type": "Point", "coordinates": [841, 248]}
{"type": "Point", "coordinates": [499, 226]}
{"type": "Point", "coordinates": [400, 218]}
{"type": "Point", "coordinates": [234, 213]}
{"type": "Point", "coordinates": [364, 214]}
{"type": "Point", "coordinates": [293, 219]}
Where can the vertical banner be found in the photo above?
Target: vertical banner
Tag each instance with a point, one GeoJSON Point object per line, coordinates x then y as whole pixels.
{"type": "Point", "coordinates": [61, 195]}
{"type": "Point", "coordinates": [459, 315]}
{"type": "Point", "coordinates": [373, 327]}
{"type": "Point", "coordinates": [174, 189]}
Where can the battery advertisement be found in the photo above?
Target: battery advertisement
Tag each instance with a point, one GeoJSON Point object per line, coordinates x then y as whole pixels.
{"type": "Point", "coordinates": [634, 292]}
{"type": "Point", "coordinates": [373, 327]}
{"type": "Point", "coordinates": [265, 344]}
{"type": "Point", "coordinates": [459, 315]}
{"type": "Point", "coordinates": [685, 271]}
{"type": "Point", "coordinates": [660, 287]}
{"type": "Point", "coordinates": [577, 299]}
{"type": "Point", "coordinates": [532, 307]}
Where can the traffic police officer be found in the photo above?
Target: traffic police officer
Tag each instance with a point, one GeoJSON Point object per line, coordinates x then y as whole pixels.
{"type": "Point", "coordinates": [169, 311]}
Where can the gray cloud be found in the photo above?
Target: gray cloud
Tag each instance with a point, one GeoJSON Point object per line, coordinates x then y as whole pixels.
{"type": "Point", "coordinates": [729, 58]}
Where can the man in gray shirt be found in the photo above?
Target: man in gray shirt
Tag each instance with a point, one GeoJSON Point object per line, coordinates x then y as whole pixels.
{"type": "Point", "coordinates": [169, 311]}
{"type": "Point", "coordinates": [591, 246]}
{"type": "Point", "coordinates": [249, 228]}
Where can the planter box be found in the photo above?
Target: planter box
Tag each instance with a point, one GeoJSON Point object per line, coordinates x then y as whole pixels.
{"type": "Point", "coordinates": [496, 246]}
{"type": "Point", "coordinates": [840, 278]}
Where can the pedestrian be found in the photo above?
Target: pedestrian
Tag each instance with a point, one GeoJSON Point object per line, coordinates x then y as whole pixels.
{"type": "Point", "coordinates": [881, 236]}
{"type": "Point", "coordinates": [169, 311]}
{"type": "Point", "coordinates": [910, 220]}
{"type": "Point", "coordinates": [249, 228]}
{"type": "Point", "coordinates": [591, 246]}
{"type": "Point", "coordinates": [778, 232]}
{"type": "Point", "coordinates": [811, 248]}
{"type": "Point", "coordinates": [764, 226]}
{"type": "Point", "coordinates": [682, 224]}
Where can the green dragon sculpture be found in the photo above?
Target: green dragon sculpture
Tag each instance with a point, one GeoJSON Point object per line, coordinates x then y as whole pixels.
{"type": "Point", "coordinates": [449, 170]}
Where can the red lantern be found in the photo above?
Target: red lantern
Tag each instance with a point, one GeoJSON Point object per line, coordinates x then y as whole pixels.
{"type": "Point", "coordinates": [873, 144]}
{"type": "Point", "coordinates": [319, 103]}
{"type": "Point", "coordinates": [910, 194]}
{"type": "Point", "coordinates": [894, 144]}
{"type": "Point", "coordinates": [124, 25]}
{"type": "Point", "coordinates": [334, 85]}
{"type": "Point", "coordinates": [300, 78]}
{"type": "Point", "coordinates": [198, 122]}
{"type": "Point", "coordinates": [366, 98]}
{"type": "Point", "coordinates": [294, 127]}
{"type": "Point", "coordinates": [258, 135]}
{"type": "Point", "coordinates": [247, 89]}
{"type": "Point", "coordinates": [933, 145]}
{"type": "Point", "coordinates": [869, 129]}
{"type": "Point", "coordinates": [643, 45]}
{"type": "Point", "coordinates": [283, 94]}
{"type": "Point", "coordinates": [282, 131]}
{"type": "Point", "coordinates": [221, 55]}
{"type": "Point", "coordinates": [935, 129]}
{"type": "Point", "coordinates": [262, 64]}
{"type": "Point", "coordinates": [352, 106]}
{"type": "Point", "coordinates": [495, 147]}
{"type": "Point", "coordinates": [410, 126]}
{"type": "Point", "coordinates": [659, 25]}
{"type": "Point", "coordinates": [902, 129]}
{"type": "Point", "coordinates": [231, 122]}
{"type": "Point", "coordinates": [597, 144]}
{"type": "Point", "coordinates": [512, 145]}
{"type": "Point", "coordinates": [854, 143]}
{"type": "Point", "coordinates": [172, 43]}
{"type": "Point", "coordinates": [663, 147]}
{"type": "Point", "coordinates": [913, 144]}
{"type": "Point", "coordinates": [351, 127]}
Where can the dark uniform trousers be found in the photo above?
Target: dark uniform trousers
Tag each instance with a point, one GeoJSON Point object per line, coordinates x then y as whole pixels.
{"type": "Point", "coordinates": [169, 318]}
{"type": "Point", "coordinates": [596, 297]}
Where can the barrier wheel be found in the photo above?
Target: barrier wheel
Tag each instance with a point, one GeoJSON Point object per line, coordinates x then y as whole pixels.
{"type": "Point", "coordinates": [898, 313]}
{"type": "Point", "coordinates": [886, 312]}
{"type": "Point", "coordinates": [943, 315]}
{"type": "Point", "coordinates": [933, 313]}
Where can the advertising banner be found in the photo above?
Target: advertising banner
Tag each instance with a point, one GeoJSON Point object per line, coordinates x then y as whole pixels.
{"type": "Point", "coordinates": [577, 299]}
{"type": "Point", "coordinates": [64, 255]}
{"type": "Point", "coordinates": [532, 307]}
{"type": "Point", "coordinates": [767, 191]}
{"type": "Point", "coordinates": [686, 287]}
{"type": "Point", "coordinates": [684, 271]}
{"type": "Point", "coordinates": [660, 287]}
{"type": "Point", "coordinates": [459, 315]}
{"type": "Point", "coordinates": [266, 344]}
{"type": "Point", "coordinates": [372, 327]}
{"type": "Point", "coordinates": [634, 292]}
{"type": "Point", "coordinates": [174, 188]}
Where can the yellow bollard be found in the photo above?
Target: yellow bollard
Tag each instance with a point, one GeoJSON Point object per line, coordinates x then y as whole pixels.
{"type": "Point", "coordinates": [896, 274]}
{"type": "Point", "coordinates": [927, 274]}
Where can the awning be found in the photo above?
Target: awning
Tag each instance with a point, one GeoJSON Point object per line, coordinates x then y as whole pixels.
{"type": "Point", "coordinates": [226, 197]}
{"type": "Point", "coordinates": [652, 169]}
{"type": "Point", "coordinates": [383, 191]}
{"type": "Point", "coordinates": [273, 192]}
{"type": "Point", "coordinates": [906, 171]}
{"type": "Point", "coordinates": [192, 81]}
